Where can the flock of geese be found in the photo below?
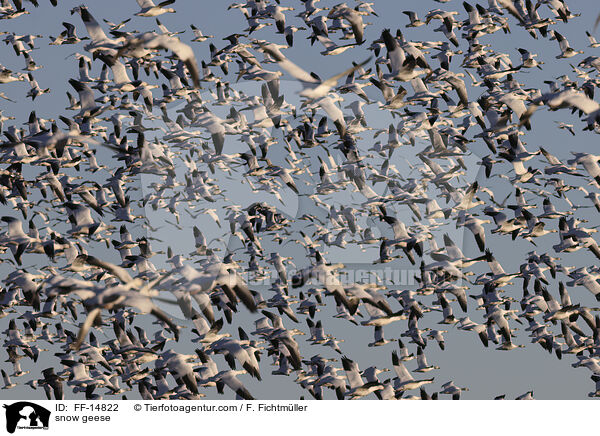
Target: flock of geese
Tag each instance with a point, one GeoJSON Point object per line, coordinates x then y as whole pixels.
{"type": "Point", "coordinates": [88, 301]}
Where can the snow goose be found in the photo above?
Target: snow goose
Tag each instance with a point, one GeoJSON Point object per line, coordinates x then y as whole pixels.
{"type": "Point", "coordinates": [414, 19]}
{"type": "Point", "coordinates": [149, 9]}
{"type": "Point", "coordinates": [422, 362]}
{"type": "Point", "coordinates": [151, 40]}
{"type": "Point", "coordinates": [404, 381]}
{"type": "Point", "coordinates": [480, 329]}
{"type": "Point", "coordinates": [229, 379]}
{"type": "Point", "coordinates": [313, 88]}
{"type": "Point", "coordinates": [179, 366]}
{"type": "Point", "coordinates": [353, 17]}
{"type": "Point", "coordinates": [100, 42]}
{"type": "Point", "coordinates": [450, 388]}
{"type": "Point", "coordinates": [8, 384]}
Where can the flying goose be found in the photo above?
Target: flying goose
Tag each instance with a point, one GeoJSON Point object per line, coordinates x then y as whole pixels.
{"type": "Point", "coordinates": [313, 88]}
{"type": "Point", "coordinates": [565, 49]}
{"type": "Point", "coordinates": [151, 40]}
{"type": "Point", "coordinates": [149, 9]}
{"type": "Point", "coordinates": [404, 381]}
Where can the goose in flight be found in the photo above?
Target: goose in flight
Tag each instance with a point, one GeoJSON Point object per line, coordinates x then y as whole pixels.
{"type": "Point", "coordinates": [596, 393]}
{"type": "Point", "coordinates": [54, 384]}
{"type": "Point", "coordinates": [229, 379]}
{"type": "Point", "coordinates": [588, 161]}
{"type": "Point", "coordinates": [422, 362]}
{"type": "Point", "coordinates": [509, 6]}
{"type": "Point", "coordinates": [450, 388]}
{"type": "Point", "coordinates": [8, 384]}
{"type": "Point", "coordinates": [404, 380]}
{"type": "Point", "coordinates": [219, 275]}
{"type": "Point", "coordinates": [582, 277]}
{"type": "Point", "coordinates": [97, 298]}
{"type": "Point", "coordinates": [357, 387]}
{"type": "Point", "coordinates": [198, 35]}
{"type": "Point", "coordinates": [353, 17]}
{"type": "Point", "coordinates": [179, 366]}
{"type": "Point", "coordinates": [115, 270]}
{"type": "Point", "coordinates": [475, 225]}
{"type": "Point", "coordinates": [414, 19]}
{"type": "Point", "coordinates": [526, 396]}
{"type": "Point", "coordinates": [233, 349]}
{"type": "Point", "coordinates": [592, 40]}
{"type": "Point", "coordinates": [313, 87]}
{"type": "Point", "coordinates": [404, 352]}
{"type": "Point", "coordinates": [480, 329]}
{"type": "Point", "coordinates": [151, 40]}
{"type": "Point", "coordinates": [403, 67]}
{"type": "Point", "coordinates": [149, 9]}
{"type": "Point", "coordinates": [566, 51]}
{"type": "Point", "coordinates": [100, 42]}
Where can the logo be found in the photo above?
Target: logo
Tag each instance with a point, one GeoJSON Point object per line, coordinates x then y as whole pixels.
{"type": "Point", "coordinates": [26, 415]}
